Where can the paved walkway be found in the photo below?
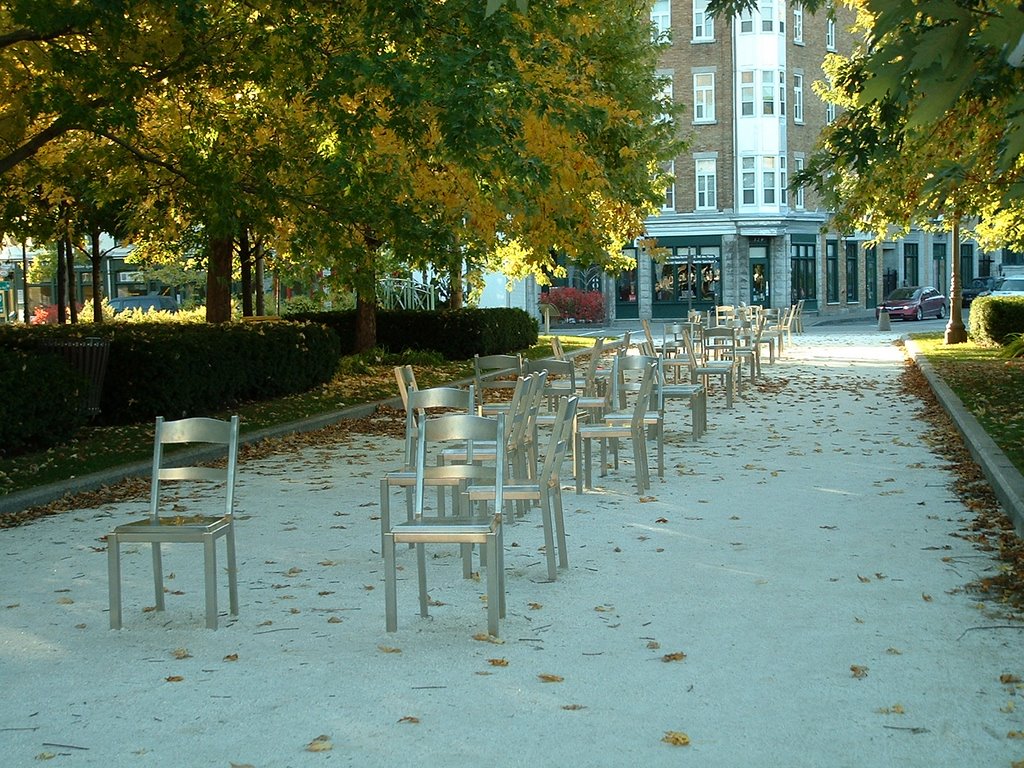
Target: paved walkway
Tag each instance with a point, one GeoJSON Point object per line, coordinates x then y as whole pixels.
{"type": "Point", "coordinates": [791, 595]}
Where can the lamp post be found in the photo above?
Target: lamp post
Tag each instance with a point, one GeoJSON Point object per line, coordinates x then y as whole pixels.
{"type": "Point", "coordinates": [956, 333]}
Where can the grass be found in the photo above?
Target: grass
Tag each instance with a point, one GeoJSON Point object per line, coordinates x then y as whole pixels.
{"type": "Point", "coordinates": [989, 386]}
{"type": "Point", "coordinates": [360, 379]}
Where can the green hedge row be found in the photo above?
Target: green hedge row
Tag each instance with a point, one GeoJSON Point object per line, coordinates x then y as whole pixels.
{"type": "Point", "coordinates": [34, 412]}
{"type": "Point", "coordinates": [175, 370]}
{"type": "Point", "coordinates": [454, 334]}
{"type": "Point", "coordinates": [993, 318]}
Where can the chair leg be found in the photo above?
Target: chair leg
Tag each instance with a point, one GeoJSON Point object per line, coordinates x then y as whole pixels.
{"type": "Point", "coordinates": [549, 534]}
{"type": "Point", "coordinates": [158, 576]}
{"type": "Point", "coordinates": [421, 571]}
{"type": "Point", "coordinates": [578, 463]}
{"type": "Point", "coordinates": [114, 579]}
{"type": "Point", "coordinates": [385, 511]}
{"type": "Point", "coordinates": [232, 572]}
{"type": "Point", "coordinates": [390, 589]}
{"type": "Point", "coordinates": [494, 598]}
{"type": "Point", "coordinates": [210, 577]}
{"type": "Point", "coordinates": [563, 554]}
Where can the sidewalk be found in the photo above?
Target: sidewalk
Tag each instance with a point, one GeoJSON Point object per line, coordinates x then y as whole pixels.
{"type": "Point", "coordinates": [804, 556]}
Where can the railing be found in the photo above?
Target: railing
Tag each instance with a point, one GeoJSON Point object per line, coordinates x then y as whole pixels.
{"type": "Point", "coordinates": [404, 293]}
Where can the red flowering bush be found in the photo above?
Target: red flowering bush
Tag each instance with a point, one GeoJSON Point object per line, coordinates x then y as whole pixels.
{"type": "Point", "coordinates": [576, 305]}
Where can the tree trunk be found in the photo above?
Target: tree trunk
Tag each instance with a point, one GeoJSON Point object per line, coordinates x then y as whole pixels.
{"type": "Point", "coordinates": [218, 280]}
{"type": "Point", "coordinates": [62, 278]}
{"type": "Point", "coordinates": [456, 292]}
{"type": "Point", "coordinates": [261, 302]}
{"type": "Point", "coordinates": [69, 254]}
{"type": "Point", "coordinates": [96, 259]}
{"type": "Point", "coordinates": [366, 321]}
{"type": "Point", "coordinates": [245, 265]}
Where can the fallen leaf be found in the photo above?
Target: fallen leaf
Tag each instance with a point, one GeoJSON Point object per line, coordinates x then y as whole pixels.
{"type": "Point", "coordinates": [174, 679]}
{"type": "Point", "coordinates": [45, 756]}
{"type": "Point", "coordinates": [1015, 735]}
{"type": "Point", "coordinates": [604, 608]}
{"type": "Point", "coordinates": [926, 598]}
{"type": "Point", "coordinates": [327, 563]}
{"type": "Point", "coordinates": [863, 579]}
{"type": "Point", "coordinates": [647, 499]}
{"type": "Point", "coordinates": [498, 662]}
{"type": "Point", "coordinates": [1008, 679]}
{"type": "Point", "coordinates": [551, 678]}
{"type": "Point", "coordinates": [858, 671]}
{"type": "Point", "coordinates": [676, 738]}
{"type": "Point", "coordinates": [409, 719]}
{"type": "Point", "coordinates": [1008, 707]}
{"type": "Point", "coordinates": [334, 620]}
{"type": "Point", "coordinates": [894, 651]}
{"type": "Point", "coordinates": [483, 637]}
{"type": "Point", "coordinates": [65, 601]}
{"type": "Point", "coordinates": [231, 657]}
{"type": "Point", "coordinates": [181, 653]}
{"type": "Point", "coordinates": [573, 707]}
{"type": "Point", "coordinates": [388, 649]}
{"type": "Point", "coordinates": [661, 520]}
{"type": "Point", "coordinates": [677, 656]}
{"type": "Point", "coordinates": [653, 645]}
{"type": "Point", "coordinates": [535, 606]}
{"type": "Point", "coordinates": [895, 709]}
{"type": "Point", "coordinates": [320, 744]}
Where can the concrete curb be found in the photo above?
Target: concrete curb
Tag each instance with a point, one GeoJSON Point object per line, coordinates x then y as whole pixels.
{"type": "Point", "coordinates": [1006, 481]}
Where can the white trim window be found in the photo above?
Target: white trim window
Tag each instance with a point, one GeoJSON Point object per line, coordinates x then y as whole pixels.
{"type": "Point", "coordinates": [768, 92]}
{"type": "Point", "coordinates": [767, 11]}
{"type": "Point", "coordinates": [830, 113]}
{"type": "Point", "coordinates": [782, 92]}
{"type": "Point", "coordinates": [798, 97]}
{"type": "Point", "coordinates": [706, 169]}
{"type": "Point", "coordinates": [798, 193]}
{"type": "Point", "coordinates": [669, 203]}
{"type": "Point", "coordinates": [769, 178]}
{"type": "Point", "coordinates": [703, 24]}
{"type": "Point", "coordinates": [703, 97]}
{"type": "Point", "coordinates": [748, 180]}
{"type": "Point", "coordinates": [783, 181]}
{"type": "Point", "coordinates": [798, 24]}
{"type": "Point", "coordinates": [747, 21]}
{"type": "Point", "coordinates": [661, 19]}
{"type": "Point", "coordinates": [830, 34]}
{"type": "Point", "coordinates": [747, 93]}
{"type": "Point", "coordinates": [667, 92]}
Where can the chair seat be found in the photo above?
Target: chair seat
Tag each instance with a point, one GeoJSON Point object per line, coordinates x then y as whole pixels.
{"type": "Point", "coordinates": [464, 530]}
{"type": "Point", "coordinates": [170, 530]}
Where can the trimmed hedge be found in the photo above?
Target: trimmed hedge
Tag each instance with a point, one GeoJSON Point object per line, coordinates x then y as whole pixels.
{"type": "Point", "coordinates": [994, 318]}
{"type": "Point", "coordinates": [176, 370]}
{"type": "Point", "coordinates": [40, 400]}
{"type": "Point", "coordinates": [455, 334]}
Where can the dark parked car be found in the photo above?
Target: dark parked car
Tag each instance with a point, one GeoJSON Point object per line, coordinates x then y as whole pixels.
{"type": "Point", "coordinates": [913, 303]}
{"type": "Point", "coordinates": [144, 303]}
{"type": "Point", "coordinates": [979, 286]}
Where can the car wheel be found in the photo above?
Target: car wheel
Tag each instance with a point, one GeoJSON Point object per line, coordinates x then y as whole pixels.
{"type": "Point", "coordinates": [919, 315]}
{"type": "Point", "coordinates": [942, 311]}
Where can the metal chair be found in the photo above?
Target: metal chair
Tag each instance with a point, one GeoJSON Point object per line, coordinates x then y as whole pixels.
{"type": "Point", "coordinates": [175, 527]}
{"type": "Point", "coordinates": [702, 371]}
{"type": "Point", "coordinates": [465, 529]}
{"type": "Point", "coordinates": [495, 373]}
{"type": "Point", "coordinates": [406, 379]}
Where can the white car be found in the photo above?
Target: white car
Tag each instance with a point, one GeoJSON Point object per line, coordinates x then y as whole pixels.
{"type": "Point", "coordinates": [1009, 286]}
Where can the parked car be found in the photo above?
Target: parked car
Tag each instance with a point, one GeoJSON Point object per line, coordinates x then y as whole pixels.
{"type": "Point", "coordinates": [913, 303]}
{"type": "Point", "coordinates": [1009, 286]}
{"type": "Point", "coordinates": [979, 286]}
{"type": "Point", "coordinates": [144, 303]}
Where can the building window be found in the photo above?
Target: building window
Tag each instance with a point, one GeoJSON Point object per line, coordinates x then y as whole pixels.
{"type": "Point", "coordinates": [803, 285]}
{"type": "Point", "coordinates": [703, 24]}
{"type": "Point", "coordinates": [748, 180]}
{"type": "Point", "coordinates": [939, 264]}
{"type": "Point", "coordinates": [830, 34]}
{"type": "Point", "coordinates": [831, 271]}
{"type": "Point", "coordinates": [767, 8]}
{"type": "Point", "coordinates": [667, 94]}
{"type": "Point", "coordinates": [747, 21]}
{"type": "Point", "coordinates": [661, 20]}
{"type": "Point", "coordinates": [670, 191]}
{"type": "Point", "coordinates": [707, 183]}
{"type": "Point", "coordinates": [769, 176]}
{"type": "Point", "coordinates": [798, 194]}
{"type": "Point", "coordinates": [747, 93]}
{"type": "Point", "coordinates": [767, 92]}
{"type": "Point", "coordinates": [782, 92]}
{"type": "Point", "coordinates": [783, 181]}
{"type": "Point", "coordinates": [704, 97]}
{"type": "Point", "coordinates": [830, 113]}
{"type": "Point", "coordinates": [798, 98]}
{"type": "Point", "coordinates": [798, 24]}
{"type": "Point", "coordinates": [911, 264]}
{"type": "Point", "coordinates": [984, 264]}
{"type": "Point", "coordinates": [852, 260]}
{"type": "Point", "coordinates": [966, 263]}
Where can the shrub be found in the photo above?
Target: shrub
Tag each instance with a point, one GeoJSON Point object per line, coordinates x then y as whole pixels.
{"type": "Point", "coordinates": [577, 305]}
{"type": "Point", "coordinates": [995, 318]}
{"type": "Point", "coordinates": [40, 400]}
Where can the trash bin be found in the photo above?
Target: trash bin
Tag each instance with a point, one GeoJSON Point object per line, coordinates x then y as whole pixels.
{"type": "Point", "coordinates": [88, 356]}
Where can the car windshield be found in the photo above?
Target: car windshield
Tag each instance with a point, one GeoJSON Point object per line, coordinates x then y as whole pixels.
{"type": "Point", "coordinates": [1012, 284]}
{"type": "Point", "coordinates": [901, 293]}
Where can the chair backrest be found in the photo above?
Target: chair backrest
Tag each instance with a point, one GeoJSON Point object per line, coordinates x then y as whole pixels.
{"type": "Point", "coordinates": [487, 369]}
{"type": "Point", "coordinates": [559, 442]}
{"type": "Point", "coordinates": [561, 378]}
{"type": "Point", "coordinates": [406, 381]}
{"type": "Point", "coordinates": [646, 399]}
{"type": "Point", "coordinates": [422, 401]}
{"type": "Point", "coordinates": [646, 325]}
{"type": "Point", "coordinates": [721, 341]}
{"type": "Point", "coordinates": [463, 430]}
{"type": "Point", "coordinates": [199, 430]}
{"type": "Point", "coordinates": [590, 377]}
{"type": "Point", "coordinates": [623, 384]}
{"type": "Point", "coordinates": [556, 348]}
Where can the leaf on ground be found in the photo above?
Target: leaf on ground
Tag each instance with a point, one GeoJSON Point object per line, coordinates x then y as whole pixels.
{"type": "Point", "coordinates": [926, 598]}
{"type": "Point", "coordinates": [321, 743]}
{"type": "Point", "coordinates": [46, 756]}
{"type": "Point", "coordinates": [546, 678]}
{"type": "Point", "coordinates": [174, 678]}
{"type": "Point", "coordinates": [661, 520]}
{"type": "Point", "coordinates": [409, 719]}
{"type": "Point", "coordinates": [334, 620]}
{"type": "Point", "coordinates": [65, 601]}
{"type": "Point", "coordinates": [604, 608]}
{"type": "Point", "coordinates": [676, 738]}
{"type": "Point", "coordinates": [1008, 679]}
{"type": "Point", "coordinates": [534, 606]}
{"type": "Point", "coordinates": [573, 707]}
{"type": "Point", "coordinates": [1015, 735]}
{"type": "Point", "coordinates": [895, 709]}
{"type": "Point", "coordinates": [648, 499]}
{"type": "Point", "coordinates": [863, 579]}
{"type": "Point", "coordinates": [858, 671]}
{"type": "Point", "coordinates": [653, 645]}
{"type": "Point", "coordinates": [498, 662]}
{"type": "Point", "coordinates": [181, 653]}
{"type": "Point", "coordinates": [388, 649]}
{"type": "Point", "coordinates": [483, 637]}
{"type": "Point", "coordinates": [231, 657]}
{"type": "Point", "coordinates": [677, 656]}
{"type": "Point", "coordinates": [894, 651]}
